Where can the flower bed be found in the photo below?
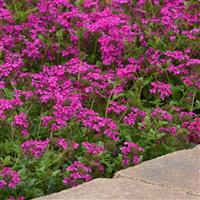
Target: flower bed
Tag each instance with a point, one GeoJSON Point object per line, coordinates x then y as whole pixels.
{"type": "Point", "coordinates": [90, 87]}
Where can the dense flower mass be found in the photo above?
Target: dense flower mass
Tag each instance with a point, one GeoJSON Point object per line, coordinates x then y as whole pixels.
{"type": "Point", "coordinates": [77, 173]}
{"type": "Point", "coordinates": [194, 130]}
{"type": "Point", "coordinates": [159, 114]}
{"type": "Point", "coordinates": [88, 87]}
{"type": "Point", "coordinates": [21, 121]}
{"type": "Point", "coordinates": [9, 178]}
{"type": "Point", "coordinates": [92, 148]}
{"type": "Point", "coordinates": [134, 116]}
{"type": "Point", "coordinates": [34, 148]}
{"type": "Point", "coordinates": [61, 142]}
{"type": "Point", "coordinates": [130, 152]}
{"type": "Point", "coordinates": [162, 89]}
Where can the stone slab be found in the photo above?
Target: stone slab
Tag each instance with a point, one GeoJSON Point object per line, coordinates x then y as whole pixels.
{"type": "Point", "coordinates": [174, 176]}
{"type": "Point", "coordinates": [179, 170]}
{"type": "Point", "coordinates": [118, 189]}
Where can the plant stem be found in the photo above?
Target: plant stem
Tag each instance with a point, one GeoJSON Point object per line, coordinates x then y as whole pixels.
{"type": "Point", "coordinates": [194, 94]}
{"type": "Point", "coordinates": [108, 103]}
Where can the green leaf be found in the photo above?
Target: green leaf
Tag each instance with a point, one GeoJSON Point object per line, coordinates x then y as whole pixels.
{"type": "Point", "coordinates": [8, 93]}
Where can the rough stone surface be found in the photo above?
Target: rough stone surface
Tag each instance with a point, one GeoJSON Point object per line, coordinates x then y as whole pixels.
{"type": "Point", "coordinates": [118, 189]}
{"type": "Point", "coordinates": [179, 170]}
{"type": "Point", "coordinates": [170, 177]}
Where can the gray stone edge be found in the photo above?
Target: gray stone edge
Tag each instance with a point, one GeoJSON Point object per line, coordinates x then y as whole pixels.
{"type": "Point", "coordinates": [189, 192]}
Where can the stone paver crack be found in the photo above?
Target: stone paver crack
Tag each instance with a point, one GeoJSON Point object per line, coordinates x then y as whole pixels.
{"type": "Point", "coordinates": [157, 184]}
{"type": "Point", "coordinates": [169, 177]}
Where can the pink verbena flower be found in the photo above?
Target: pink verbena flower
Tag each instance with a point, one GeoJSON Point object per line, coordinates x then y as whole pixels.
{"type": "Point", "coordinates": [185, 116]}
{"type": "Point", "coordinates": [164, 90]}
{"type": "Point", "coordinates": [77, 173]}
{"type": "Point", "coordinates": [194, 130]}
{"type": "Point", "coordinates": [2, 85]}
{"type": "Point", "coordinates": [90, 3]}
{"type": "Point", "coordinates": [192, 80]}
{"type": "Point", "coordinates": [75, 145]}
{"type": "Point", "coordinates": [116, 107]}
{"type": "Point", "coordinates": [62, 143]}
{"type": "Point", "coordinates": [9, 178]}
{"type": "Point", "coordinates": [129, 71]}
{"type": "Point", "coordinates": [121, 1]}
{"type": "Point", "coordinates": [7, 104]}
{"type": "Point", "coordinates": [26, 94]}
{"type": "Point", "coordinates": [46, 120]}
{"type": "Point", "coordinates": [76, 66]}
{"type": "Point", "coordinates": [18, 198]}
{"type": "Point", "coordinates": [2, 184]}
{"type": "Point", "coordinates": [91, 119]}
{"type": "Point", "coordinates": [35, 148]}
{"type": "Point", "coordinates": [178, 70]}
{"type": "Point", "coordinates": [21, 121]}
{"type": "Point", "coordinates": [160, 114]}
{"type": "Point", "coordinates": [171, 130]}
{"type": "Point", "coordinates": [130, 152]}
{"type": "Point", "coordinates": [92, 148]}
{"type": "Point", "coordinates": [13, 62]}
{"type": "Point", "coordinates": [5, 15]}
{"type": "Point", "coordinates": [134, 116]}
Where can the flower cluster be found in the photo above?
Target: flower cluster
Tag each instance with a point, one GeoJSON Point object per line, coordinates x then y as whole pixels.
{"type": "Point", "coordinates": [62, 143]}
{"type": "Point", "coordinates": [131, 153]}
{"type": "Point", "coordinates": [9, 178]}
{"type": "Point", "coordinates": [134, 116]}
{"type": "Point", "coordinates": [92, 120]}
{"type": "Point", "coordinates": [21, 121]}
{"type": "Point", "coordinates": [77, 173]}
{"type": "Point", "coordinates": [160, 114]}
{"type": "Point", "coordinates": [103, 82]}
{"type": "Point", "coordinates": [169, 130]}
{"type": "Point", "coordinates": [35, 148]}
{"type": "Point", "coordinates": [92, 148]}
{"type": "Point", "coordinates": [116, 107]}
{"type": "Point", "coordinates": [164, 90]}
{"type": "Point", "coordinates": [193, 130]}
{"type": "Point", "coordinates": [18, 198]}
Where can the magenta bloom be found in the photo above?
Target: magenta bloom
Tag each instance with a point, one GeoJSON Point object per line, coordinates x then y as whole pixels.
{"type": "Point", "coordinates": [21, 121]}
{"type": "Point", "coordinates": [76, 81]}
{"type": "Point", "coordinates": [62, 143]}
{"type": "Point", "coordinates": [9, 178]}
{"type": "Point", "coordinates": [130, 152]}
{"type": "Point", "coordinates": [134, 116]}
{"type": "Point", "coordinates": [75, 145]}
{"type": "Point", "coordinates": [169, 130]}
{"type": "Point", "coordinates": [164, 90]}
{"type": "Point", "coordinates": [160, 114]}
{"type": "Point", "coordinates": [92, 148]}
{"type": "Point", "coordinates": [116, 107]}
{"type": "Point", "coordinates": [34, 148]}
{"type": "Point", "coordinates": [194, 130]}
{"type": "Point", "coordinates": [18, 198]}
{"type": "Point", "coordinates": [77, 173]}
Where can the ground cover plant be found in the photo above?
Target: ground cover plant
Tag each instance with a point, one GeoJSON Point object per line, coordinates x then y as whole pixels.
{"type": "Point", "coordinates": [88, 87]}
